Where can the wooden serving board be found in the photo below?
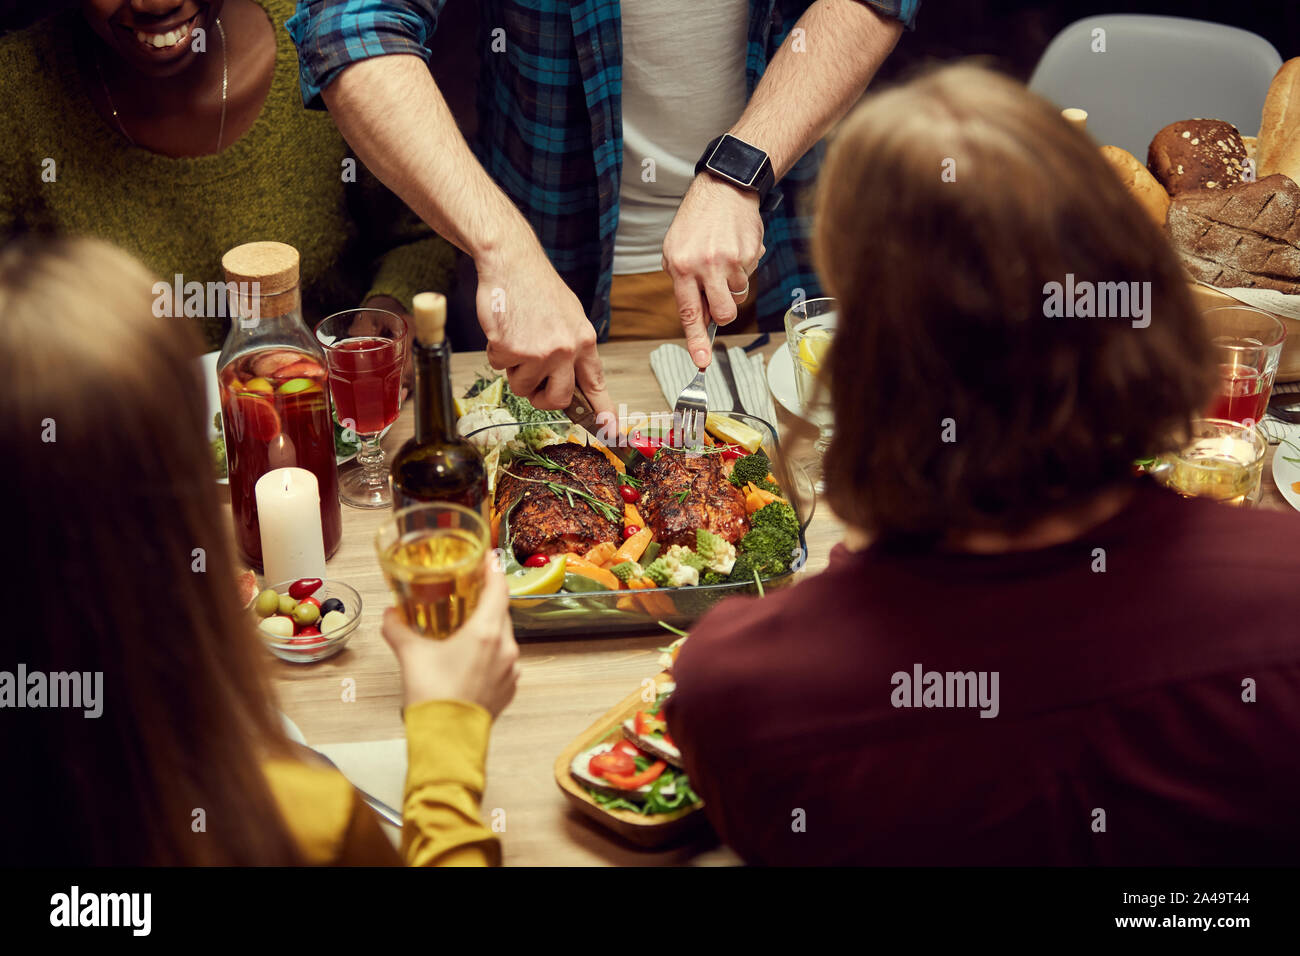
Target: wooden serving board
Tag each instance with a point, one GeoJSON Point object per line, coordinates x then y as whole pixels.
{"type": "Point", "coordinates": [646, 831]}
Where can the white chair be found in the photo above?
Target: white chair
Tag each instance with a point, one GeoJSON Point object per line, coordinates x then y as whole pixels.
{"type": "Point", "coordinates": [1156, 71]}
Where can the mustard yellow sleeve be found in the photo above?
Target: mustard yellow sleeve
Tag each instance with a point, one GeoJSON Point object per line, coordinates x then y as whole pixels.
{"type": "Point", "coordinates": [446, 745]}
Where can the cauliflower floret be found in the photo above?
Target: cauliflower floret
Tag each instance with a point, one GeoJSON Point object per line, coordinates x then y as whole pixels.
{"type": "Point", "coordinates": [686, 556]}
{"type": "Point", "coordinates": [668, 571]}
{"type": "Point", "coordinates": [483, 416]}
{"type": "Point", "coordinates": [718, 553]}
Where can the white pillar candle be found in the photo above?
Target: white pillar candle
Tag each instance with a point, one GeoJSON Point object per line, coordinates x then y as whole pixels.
{"type": "Point", "coordinates": [288, 510]}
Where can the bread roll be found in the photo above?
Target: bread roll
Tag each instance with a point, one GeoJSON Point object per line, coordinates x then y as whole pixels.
{"type": "Point", "coordinates": [1247, 236]}
{"type": "Point", "coordinates": [1139, 181]}
{"type": "Point", "coordinates": [1279, 127]}
{"type": "Point", "coordinates": [1197, 154]}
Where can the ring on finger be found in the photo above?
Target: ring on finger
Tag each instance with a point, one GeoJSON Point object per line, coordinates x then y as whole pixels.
{"type": "Point", "coordinates": [741, 294]}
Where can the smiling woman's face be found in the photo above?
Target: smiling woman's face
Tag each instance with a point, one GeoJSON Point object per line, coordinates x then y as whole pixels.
{"type": "Point", "coordinates": [153, 36]}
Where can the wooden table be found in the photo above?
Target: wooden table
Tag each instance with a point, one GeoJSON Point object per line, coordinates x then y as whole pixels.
{"type": "Point", "coordinates": [566, 683]}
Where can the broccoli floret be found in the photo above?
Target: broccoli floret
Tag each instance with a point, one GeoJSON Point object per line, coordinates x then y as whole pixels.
{"type": "Point", "coordinates": [667, 571]}
{"type": "Point", "coordinates": [718, 553]}
{"type": "Point", "coordinates": [750, 468]}
{"type": "Point", "coordinates": [770, 545]}
{"type": "Point", "coordinates": [686, 556]}
{"type": "Point", "coordinates": [628, 571]}
{"type": "Point", "coordinates": [712, 577]}
{"type": "Point", "coordinates": [778, 516]}
{"type": "Point", "coordinates": [743, 570]}
{"type": "Point", "coordinates": [771, 486]}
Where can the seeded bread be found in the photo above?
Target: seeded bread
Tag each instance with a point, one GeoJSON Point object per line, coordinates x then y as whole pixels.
{"type": "Point", "coordinates": [1246, 236]}
{"type": "Point", "coordinates": [1197, 154]}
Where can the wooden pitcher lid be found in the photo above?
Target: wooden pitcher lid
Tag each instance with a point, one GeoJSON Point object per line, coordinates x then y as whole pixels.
{"type": "Point", "coordinates": [273, 265]}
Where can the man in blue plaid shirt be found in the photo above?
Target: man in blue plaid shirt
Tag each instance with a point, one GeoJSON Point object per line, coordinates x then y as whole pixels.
{"type": "Point", "coordinates": [605, 198]}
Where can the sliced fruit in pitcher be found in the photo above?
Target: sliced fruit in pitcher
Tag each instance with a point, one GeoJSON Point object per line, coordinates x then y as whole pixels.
{"type": "Point", "coordinates": [303, 368]}
{"type": "Point", "coordinates": [256, 415]}
{"type": "Point", "coordinates": [297, 385]}
{"type": "Point", "coordinates": [268, 364]}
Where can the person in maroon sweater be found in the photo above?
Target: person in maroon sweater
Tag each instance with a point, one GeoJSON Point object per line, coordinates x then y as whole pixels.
{"type": "Point", "coordinates": [1021, 654]}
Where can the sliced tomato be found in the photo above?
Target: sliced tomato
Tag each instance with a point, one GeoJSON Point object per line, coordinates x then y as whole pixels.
{"type": "Point", "coordinates": [648, 775]}
{"type": "Point", "coordinates": [648, 724]}
{"type": "Point", "coordinates": [647, 445]}
{"type": "Point", "coordinates": [611, 763]}
{"type": "Point", "coordinates": [632, 750]}
{"type": "Point", "coordinates": [668, 739]}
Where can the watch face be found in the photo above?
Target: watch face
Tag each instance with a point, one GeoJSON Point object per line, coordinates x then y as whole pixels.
{"type": "Point", "coordinates": [737, 160]}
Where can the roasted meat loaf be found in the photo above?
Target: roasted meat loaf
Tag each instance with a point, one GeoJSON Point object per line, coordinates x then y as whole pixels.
{"type": "Point", "coordinates": [1244, 237]}
{"type": "Point", "coordinates": [683, 492]}
{"type": "Point", "coordinates": [544, 522]}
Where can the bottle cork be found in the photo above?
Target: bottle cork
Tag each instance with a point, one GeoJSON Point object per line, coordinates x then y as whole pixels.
{"type": "Point", "coordinates": [263, 270]}
{"type": "Point", "coordinates": [1077, 117]}
{"type": "Point", "coordinates": [429, 315]}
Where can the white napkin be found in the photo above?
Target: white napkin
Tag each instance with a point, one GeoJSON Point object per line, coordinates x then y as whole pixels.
{"type": "Point", "coordinates": [1267, 299]}
{"type": "Point", "coordinates": [376, 766]}
{"type": "Point", "coordinates": [673, 368]}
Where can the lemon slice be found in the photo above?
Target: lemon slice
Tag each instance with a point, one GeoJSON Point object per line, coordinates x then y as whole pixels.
{"type": "Point", "coordinates": [812, 349]}
{"type": "Point", "coordinates": [490, 397]}
{"type": "Point", "coordinates": [733, 432]}
{"type": "Point", "coordinates": [547, 579]}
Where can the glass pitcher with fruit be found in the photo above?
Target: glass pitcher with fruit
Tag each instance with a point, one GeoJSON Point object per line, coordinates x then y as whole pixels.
{"type": "Point", "coordinates": [275, 405]}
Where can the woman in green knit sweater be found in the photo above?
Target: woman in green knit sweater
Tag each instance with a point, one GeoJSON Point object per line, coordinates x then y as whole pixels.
{"type": "Point", "coordinates": [175, 130]}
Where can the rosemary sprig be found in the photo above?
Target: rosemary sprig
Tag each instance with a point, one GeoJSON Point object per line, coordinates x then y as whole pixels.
{"type": "Point", "coordinates": [604, 509]}
{"type": "Point", "coordinates": [681, 495]}
{"type": "Point", "coordinates": [625, 479]}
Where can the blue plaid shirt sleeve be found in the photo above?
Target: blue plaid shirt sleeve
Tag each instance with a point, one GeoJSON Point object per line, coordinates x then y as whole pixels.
{"type": "Point", "coordinates": [903, 10]}
{"type": "Point", "coordinates": [332, 34]}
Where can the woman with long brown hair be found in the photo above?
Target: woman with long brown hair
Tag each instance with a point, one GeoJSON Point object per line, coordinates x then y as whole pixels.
{"type": "Point", "coordinates": [127, 578]}
{"type": "Point", "coordinates": [1022, 653]}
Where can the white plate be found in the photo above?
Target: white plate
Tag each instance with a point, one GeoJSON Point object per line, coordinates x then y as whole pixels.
{"type": "Point", "coordinates": [780, 379]}
{"type": "Point", "coordinates": [1286, 472]}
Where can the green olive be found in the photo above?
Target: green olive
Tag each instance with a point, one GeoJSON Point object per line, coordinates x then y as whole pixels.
{"type": "Point", "coordinates": [268, 602]}
{"type": "Point", "coordinates": [306, 614]}
{"type": "Point", "coordinates": [287, 604]}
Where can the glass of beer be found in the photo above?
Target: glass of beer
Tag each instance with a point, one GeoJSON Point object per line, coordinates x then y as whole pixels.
{"type": "Point", "coordinates": [1222, 461]}
{"type": "Point", "coordinates": [432, 556]}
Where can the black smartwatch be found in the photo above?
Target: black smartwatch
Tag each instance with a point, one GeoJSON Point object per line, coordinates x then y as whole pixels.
{"type": "Point", "coordinates": [744, 166]}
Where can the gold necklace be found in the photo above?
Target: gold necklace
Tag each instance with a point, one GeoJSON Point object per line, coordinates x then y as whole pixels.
{"type": "Point", "coordinates": [225, 88]}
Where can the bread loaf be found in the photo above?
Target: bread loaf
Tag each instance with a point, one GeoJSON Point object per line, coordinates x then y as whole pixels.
{"type": "Point", "coordinates": [1139, 182]}
{"type": "Point", "coordinates": [1279, 128]}
{"type": "Point", "coordinates": [1247, 236]}
{"type": "Point", "coordinates": [1197, 154]}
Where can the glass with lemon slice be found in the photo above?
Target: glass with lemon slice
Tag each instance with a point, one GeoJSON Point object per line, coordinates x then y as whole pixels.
{"type": "Point", "coordinates": [432, 557]}
{"type": "Point", "coordinates": [809, 330]}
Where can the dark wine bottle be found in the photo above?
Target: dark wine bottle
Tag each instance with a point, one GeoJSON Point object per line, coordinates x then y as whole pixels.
{"type": "Point", "coordinates": [437, 464]}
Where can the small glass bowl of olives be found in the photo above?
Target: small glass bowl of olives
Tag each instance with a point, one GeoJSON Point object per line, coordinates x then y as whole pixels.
{"type": "Point", "coordinates": [306, 620]}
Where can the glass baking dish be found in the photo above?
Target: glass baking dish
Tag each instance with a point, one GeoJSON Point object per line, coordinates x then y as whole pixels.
{"type": "Point", "coordinates": [604, 612]}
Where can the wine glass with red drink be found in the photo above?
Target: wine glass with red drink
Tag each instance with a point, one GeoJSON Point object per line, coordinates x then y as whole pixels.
{"type": "Point", "coordinates": [365, 350]}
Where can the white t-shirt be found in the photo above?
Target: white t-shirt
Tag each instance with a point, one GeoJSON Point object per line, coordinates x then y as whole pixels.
{"type": "Point", "coordinates": [683, 84]}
